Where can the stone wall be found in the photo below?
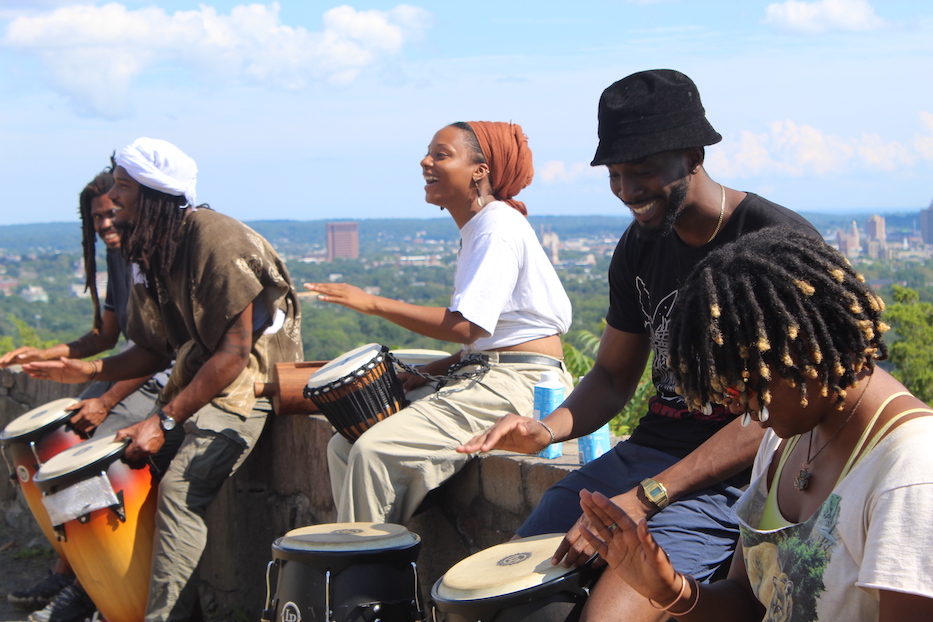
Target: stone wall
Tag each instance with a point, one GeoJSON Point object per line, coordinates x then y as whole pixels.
{"type": "Point", "coordinates": [284, 485]}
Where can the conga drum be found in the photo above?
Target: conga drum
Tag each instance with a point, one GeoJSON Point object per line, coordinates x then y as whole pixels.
{"type": "Point", "coordinates": [512, 582]}
{"type": "Point", "coordinates": [345, 572]}
{"type": "Point", "coordinates": [32, 439]}
{"type": "Point", "coordinates": [357, 390]}
{"type": "Point", "coordinates": [104, 512]}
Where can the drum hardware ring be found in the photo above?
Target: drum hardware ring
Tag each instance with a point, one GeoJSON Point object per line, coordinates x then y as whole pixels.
{"type": "Point", "coordinates": [327, 611]}
{"type": "Point", "coordinates": [120, 508]}
{"type": "Point", "coordinates": [479, 360]}
{"type": "Point", "coordinates": [9, 463]}
{"type": "Point", "coordinates": [269, 612]}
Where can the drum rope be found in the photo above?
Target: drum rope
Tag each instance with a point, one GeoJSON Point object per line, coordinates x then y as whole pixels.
{"type": "Point", "coordinates": [481, 361]}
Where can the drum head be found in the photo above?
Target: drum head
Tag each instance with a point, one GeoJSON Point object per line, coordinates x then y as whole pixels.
{"type": "Point", "coordinates": [82, 456]}
{"type": "Point", "coordinates": [416, 356]}
{"type": "Point", "coordinates": [503, 569]}
{"type": "Point", "coordinates": [344, 365]}
{"type": "Point", "coordinates": [37, 419]}
{"type": "Point", "coordinates": [341, 537]}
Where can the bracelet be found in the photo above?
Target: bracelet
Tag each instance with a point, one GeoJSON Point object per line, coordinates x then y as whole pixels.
{"type": "Point", "coordinates": [549, 431]}
{"type": "Point", "coordinates": [94, 373]}
{"type": "Point", "coordinates": [683, 587]}
{"type": "Point", "coordinates": [680, 594]}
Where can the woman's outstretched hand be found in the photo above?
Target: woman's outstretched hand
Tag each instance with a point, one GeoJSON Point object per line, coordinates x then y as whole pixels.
{"type": "Point", "coordinates": [344, 294]}
{"type": "Point", "coordinates": [629, 549]}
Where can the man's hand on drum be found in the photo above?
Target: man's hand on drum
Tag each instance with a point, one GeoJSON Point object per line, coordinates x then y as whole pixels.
{"type": "Point", "coordinates": [65, 370]}
{"type": "Point", "coordinates": [627, 546]}
{"type": "Point", "coordinates": [146, 438]}
{"type": "Point", "coordinates": [512, 432]}
{"type": "Point", "coordinates": [21, 356]}
{"type": "Point", "coordinates": [411, 381]}
{"type": "Point", "coordinates": [88, 414]}
{"type": "Point", "coordinates": [344, 294]}
{"type": "Point", "coordinates": [575, 550]}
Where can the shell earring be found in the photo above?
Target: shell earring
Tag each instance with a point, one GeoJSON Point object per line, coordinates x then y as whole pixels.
{"type": "Point", "coordinates": [764, 415]}
{"type": "Point", "coordinates": [746, 419]}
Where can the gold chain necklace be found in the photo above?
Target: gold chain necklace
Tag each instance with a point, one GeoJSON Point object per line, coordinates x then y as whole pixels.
{"type": "Point", "coordinates": [722, 211]}
{"type": "Point", "coordinates": [803, 478]}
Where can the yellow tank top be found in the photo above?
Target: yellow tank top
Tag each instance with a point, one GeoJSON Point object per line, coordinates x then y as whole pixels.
{"type": "Point", "coordinates": [771, 517]}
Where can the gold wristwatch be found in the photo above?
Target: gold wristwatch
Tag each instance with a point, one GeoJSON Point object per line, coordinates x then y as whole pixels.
{"type": "Point", "coordinates": [655, 492]}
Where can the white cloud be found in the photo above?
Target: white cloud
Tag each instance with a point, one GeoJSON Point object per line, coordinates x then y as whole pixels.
{"type": "Point", "coordinates": [791, 149]}
{"type": "Point", "coordinates": [93, 54]}
{"type": "Point", "coordinates": [558, 172]}
{"type": "Point", "coordinates": [823, 16]}
{"type": "Point", "coordinates": [924, 143]}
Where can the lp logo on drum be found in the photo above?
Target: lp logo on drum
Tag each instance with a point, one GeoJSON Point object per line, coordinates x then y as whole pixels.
{"type": "Point", "coordinates": [290, 613]}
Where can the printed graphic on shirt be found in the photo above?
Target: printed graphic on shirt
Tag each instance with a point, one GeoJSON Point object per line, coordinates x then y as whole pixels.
{"type": "Point", "coordinates": [657, 323]}
{"type": "Point", "coordinates": [786, 567]}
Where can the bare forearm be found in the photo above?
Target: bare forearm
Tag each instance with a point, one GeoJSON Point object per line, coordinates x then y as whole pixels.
{"type": "Point", "coordinates": [215, 376]}
{"type": "Point", "coordinates": [435, 322]}
{"type": "Point", "coordinates": [725, 454]}
{"type": "Point", "coordinates": [133, 364]}
{"type": "Point", "coordinates": [87, 345]}
{"type": "Point", "coordinates": [723, 601]}
{"type": "Point", "coordinates": [593, 402]}
{"type": "Point", "coordinates": [120, 390]}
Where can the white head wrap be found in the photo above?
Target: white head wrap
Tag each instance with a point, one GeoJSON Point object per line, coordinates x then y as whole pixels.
{"type": "Point", "coordinates": [160, 165]}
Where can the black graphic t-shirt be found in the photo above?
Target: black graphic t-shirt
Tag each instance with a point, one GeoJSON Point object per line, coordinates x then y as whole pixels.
{"type": "Point", "coordinates": [644, 278]}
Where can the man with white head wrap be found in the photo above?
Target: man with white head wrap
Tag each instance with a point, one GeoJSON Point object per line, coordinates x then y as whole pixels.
{"type": "Point", "coordinates": [214, 294]}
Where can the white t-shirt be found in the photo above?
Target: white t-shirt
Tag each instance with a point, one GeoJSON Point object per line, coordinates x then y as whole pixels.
{"type": "Point", "coordinates": [505, 283]}
{"type": "Point", "coordinates": [874, 532]}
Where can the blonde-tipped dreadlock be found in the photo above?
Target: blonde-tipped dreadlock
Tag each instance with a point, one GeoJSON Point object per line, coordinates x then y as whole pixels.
{"type": "Point", "coordinates": [774, 304]}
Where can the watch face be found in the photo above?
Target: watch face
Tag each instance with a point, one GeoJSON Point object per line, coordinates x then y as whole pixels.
{"type": "Point", "coordinates": [168, 424]}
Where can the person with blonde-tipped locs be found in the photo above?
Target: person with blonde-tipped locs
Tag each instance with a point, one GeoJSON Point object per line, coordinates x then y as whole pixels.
{"type": "Point", "coordinates": [834, 525]}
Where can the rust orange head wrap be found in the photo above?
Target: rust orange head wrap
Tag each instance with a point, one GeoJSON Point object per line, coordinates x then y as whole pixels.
{"type": "Point", "coordinates": [506, 150]}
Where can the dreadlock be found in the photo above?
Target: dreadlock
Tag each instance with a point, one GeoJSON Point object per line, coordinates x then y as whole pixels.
{"type": "Point", "coordinates": [774, 303]}
{"type": "Point", "coordinates": [153, 240]}
{"type": "Point", "coordinates": [97, 188]}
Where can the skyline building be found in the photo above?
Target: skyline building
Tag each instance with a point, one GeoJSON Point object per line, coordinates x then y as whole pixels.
{"type": "Point", "coordinates": [343, 240]}
{"type": "Point", "coordinates": [926, 224]}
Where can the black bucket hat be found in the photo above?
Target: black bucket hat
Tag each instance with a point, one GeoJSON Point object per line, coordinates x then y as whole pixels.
{"type": "Point", "coordinates": [649, 112]}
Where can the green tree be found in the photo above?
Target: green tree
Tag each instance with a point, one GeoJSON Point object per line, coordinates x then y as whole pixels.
{"type": "Point", "coordinates": [911, 350]}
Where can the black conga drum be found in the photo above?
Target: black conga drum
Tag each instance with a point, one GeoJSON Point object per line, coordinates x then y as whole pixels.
{"type": "Point", "coordinates": [344, 572]}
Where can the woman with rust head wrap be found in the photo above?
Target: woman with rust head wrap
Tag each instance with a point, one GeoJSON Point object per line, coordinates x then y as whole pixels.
{"type": "Point", "coordinates": [508, 308]}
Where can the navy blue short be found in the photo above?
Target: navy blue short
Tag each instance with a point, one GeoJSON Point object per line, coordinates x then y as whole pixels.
{"type": "Point", "coordinates": [698, 532]}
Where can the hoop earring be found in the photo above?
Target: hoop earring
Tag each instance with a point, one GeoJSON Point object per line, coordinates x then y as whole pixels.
{"type": "Point", "coordinates": [479, 194]}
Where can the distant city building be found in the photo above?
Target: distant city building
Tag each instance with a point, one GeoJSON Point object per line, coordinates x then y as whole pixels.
{"type": "Point", "coordinates": [874, 228]}
{"type": "Point", "coordinates": [343, 240]}
{"type": "Point", "coordinates": [849, 241]}
{"type": "Point", "coordinates": [926, 224]}
{"type": "Point", "coordinates": [551, 244]}
{"type": "Point", "coordinates": [34, 293]}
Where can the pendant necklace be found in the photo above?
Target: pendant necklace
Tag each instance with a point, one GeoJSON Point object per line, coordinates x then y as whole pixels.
{"type": "Point", "coordinates": [802, 480]}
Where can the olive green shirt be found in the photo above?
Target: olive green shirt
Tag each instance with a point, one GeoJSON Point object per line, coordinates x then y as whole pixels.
{"type": "Point", "coordinates": [221, 266]}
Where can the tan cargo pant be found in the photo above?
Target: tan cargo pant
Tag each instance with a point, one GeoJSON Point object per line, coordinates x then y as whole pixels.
{"type": "Point", "coordinates": [385, 475]}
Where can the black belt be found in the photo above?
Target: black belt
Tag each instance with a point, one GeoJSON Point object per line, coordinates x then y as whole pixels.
{"type": "Point", "coordinates": [522, 358]}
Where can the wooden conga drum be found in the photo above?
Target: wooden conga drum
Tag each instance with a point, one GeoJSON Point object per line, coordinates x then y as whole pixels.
{"type": "Point", "coordinates": [32, 439]}
{"type": "Point", "coordinates": [104, 511]}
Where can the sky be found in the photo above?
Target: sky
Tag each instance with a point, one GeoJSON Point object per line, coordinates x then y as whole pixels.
{"type": "Point", "coordinates": [311, 110]}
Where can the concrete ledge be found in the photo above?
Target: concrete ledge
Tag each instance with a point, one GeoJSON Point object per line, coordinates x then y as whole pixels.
{"type": "Point", "coordinates": [285, 484]}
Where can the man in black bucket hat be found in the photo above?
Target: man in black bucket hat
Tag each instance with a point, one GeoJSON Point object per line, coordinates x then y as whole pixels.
{"type": "Point", "coordinates": [681, 469]}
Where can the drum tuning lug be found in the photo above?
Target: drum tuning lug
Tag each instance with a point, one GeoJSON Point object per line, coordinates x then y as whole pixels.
{"type": "Point", "coordinates": [60, 533]}
{"type": "Point", "coordinates": [84, 518]}
{"type": "Point", "coordinates": [119, 508]}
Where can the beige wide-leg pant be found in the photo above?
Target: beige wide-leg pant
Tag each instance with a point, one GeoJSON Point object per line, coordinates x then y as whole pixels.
{"type": "Point", "coordinates": [387, 472]}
